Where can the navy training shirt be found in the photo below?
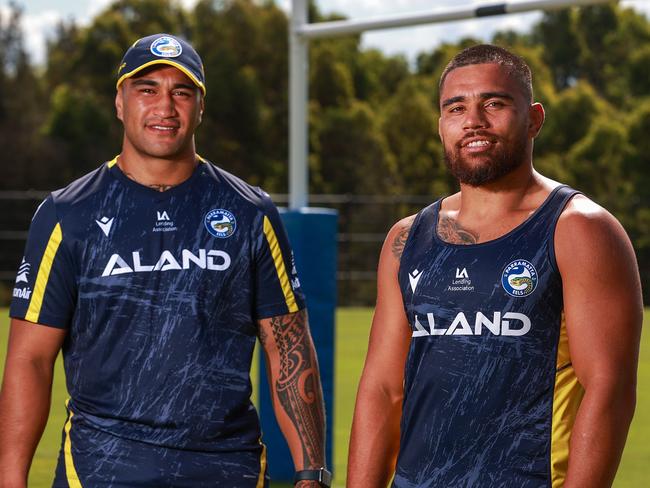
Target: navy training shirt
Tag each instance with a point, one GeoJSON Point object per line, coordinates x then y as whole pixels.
{"type": "Point", "coordinates": [160, 293]}
{"type": "Point", "coordinates": [490, 395]}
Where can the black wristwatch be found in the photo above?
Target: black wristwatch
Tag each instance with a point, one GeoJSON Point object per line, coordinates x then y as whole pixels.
{"type": "Point", "coordinates": [321, 475]}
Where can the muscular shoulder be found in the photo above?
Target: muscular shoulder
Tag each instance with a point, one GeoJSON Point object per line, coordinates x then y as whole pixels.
{"type": "Point", "coordinates": [585, 220]}
{"type": "Point", "coordinates": [398, 235]}
{"type": "Point", "coordinates": [586, 233]}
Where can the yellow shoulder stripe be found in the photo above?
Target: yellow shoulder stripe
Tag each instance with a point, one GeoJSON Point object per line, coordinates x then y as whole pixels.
{"type": "Point", "coordinates": [112, 162]}
{"type": "Point", "coordinates": [276, 253]}
{"type": "Point", "coordinates": [43, 275]}
{"type": "Point", "coordinates": [70, 471]}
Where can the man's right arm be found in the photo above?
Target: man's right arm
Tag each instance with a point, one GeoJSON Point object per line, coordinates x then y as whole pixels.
{"type": "Point", "coordinates": [25, 396]}
{"type": "Point", "coordinates": [374, 443]}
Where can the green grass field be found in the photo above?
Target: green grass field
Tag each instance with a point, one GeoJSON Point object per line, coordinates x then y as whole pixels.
{"type": "Point", "coordinates": [352, 338]}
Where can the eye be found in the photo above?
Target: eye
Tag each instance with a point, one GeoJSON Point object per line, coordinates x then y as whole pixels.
{"type": "Point", "coordinates": [146, 90]}
{"type": "Point", "coordinates": [456, 109]}
{"type": "Point", "coordinates": [181, 93]}
{"type": "Point", "coordinates": [495, 104]}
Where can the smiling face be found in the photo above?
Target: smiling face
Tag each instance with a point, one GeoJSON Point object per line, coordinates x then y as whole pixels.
{"type": "Point", "coordinates": [486, 123]}
{"type": "Point", "coordinates": [160, 110]}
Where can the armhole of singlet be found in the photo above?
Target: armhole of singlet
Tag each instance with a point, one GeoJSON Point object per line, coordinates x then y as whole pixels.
{"type": "Point", "coordinates": [413, 230]}
{"type": "Point", "coordinates": [568, 194]}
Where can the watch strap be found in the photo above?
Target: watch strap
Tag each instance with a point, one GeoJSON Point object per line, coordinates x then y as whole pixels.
{"type": "Point", "coordinates": [322, 475]}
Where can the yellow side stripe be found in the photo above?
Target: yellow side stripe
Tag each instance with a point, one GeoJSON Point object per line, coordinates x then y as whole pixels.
{"type": "Point", "coordinates": [43, 275]}
{"type": "Point", "coordinates": [260, 478]}
{"type": "Point", "coordinates": [567, 395]}
{"type": "Point", "coordinates": [70, 471]}
{"type": "Point", "coordinates": [276, 253]}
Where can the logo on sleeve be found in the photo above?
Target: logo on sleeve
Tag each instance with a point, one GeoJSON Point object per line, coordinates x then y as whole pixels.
{"type": "Point", "coordinates": [220, 223]}
{"type": "Point", "coordinates": [295, 281]}
{"type": "Point", "coordinates": [519, 278]}
{"type": "Point", "coordinates": [105, 224]}
{"type": "Point", "coordinates": [23, 272]}
{"type": "Point", "coordinates": [23, 277]}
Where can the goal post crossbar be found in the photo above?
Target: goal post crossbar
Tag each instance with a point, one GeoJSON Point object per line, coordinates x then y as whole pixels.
{"type": "Point", "coordinates": [301, 32]}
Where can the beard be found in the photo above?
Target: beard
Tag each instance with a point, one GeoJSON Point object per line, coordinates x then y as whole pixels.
{"type": "Point", "coordinates": [483, 169]}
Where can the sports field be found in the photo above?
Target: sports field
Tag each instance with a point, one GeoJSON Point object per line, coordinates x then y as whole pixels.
{"type": "Point", "coordinates": [352, 335]}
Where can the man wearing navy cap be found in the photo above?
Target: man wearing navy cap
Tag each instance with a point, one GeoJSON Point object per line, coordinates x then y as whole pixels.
{"type": "Point", "coordinates": [154, 274]}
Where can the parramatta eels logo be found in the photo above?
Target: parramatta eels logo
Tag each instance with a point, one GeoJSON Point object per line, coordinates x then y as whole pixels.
{"type": "Point", "coordinates": [166, 47]}
{"type": "Point", "coordinates": [519, 278]}
{"type": "Point", "coordinates": [220, 223]}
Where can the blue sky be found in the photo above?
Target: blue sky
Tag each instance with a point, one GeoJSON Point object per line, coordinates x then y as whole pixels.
{"type": "Point", "coordinates": [41, 16]}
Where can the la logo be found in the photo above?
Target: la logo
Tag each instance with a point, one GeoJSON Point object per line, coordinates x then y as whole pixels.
{"type": "Point", "coordinates": [461, 273]}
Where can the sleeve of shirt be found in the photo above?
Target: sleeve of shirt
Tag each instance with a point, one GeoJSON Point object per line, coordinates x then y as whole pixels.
{"type": "Point", "coordinates": [45, 289]}
{"type": "Point", "coordinates": [277, 287]}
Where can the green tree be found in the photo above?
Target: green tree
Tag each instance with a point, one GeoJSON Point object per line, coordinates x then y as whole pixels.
{"type": "Point", "coordinates": [410, 124]}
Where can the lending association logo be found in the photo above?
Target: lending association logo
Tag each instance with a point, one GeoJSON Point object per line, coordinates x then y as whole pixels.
{"type": "Point", "coordinates": [163, 222]}
{"type": "Point", "coordinates": [519, 278]}
{"type": "Point", "coordinates": [220, 223]}
{"type": "Point", "coordinates": [461, 282]}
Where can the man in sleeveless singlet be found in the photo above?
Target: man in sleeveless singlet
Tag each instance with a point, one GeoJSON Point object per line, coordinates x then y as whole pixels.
{"type": "Point", "coordinates": [504, 345]}
{"type": "Point", "coordinates": [155, 274]}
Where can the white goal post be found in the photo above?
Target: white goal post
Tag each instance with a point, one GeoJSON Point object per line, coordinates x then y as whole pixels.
{"type": "Point", "coordinates": [301, 31]}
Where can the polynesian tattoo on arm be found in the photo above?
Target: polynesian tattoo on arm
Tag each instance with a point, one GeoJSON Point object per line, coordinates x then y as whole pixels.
{"type": "Point", "coordinates": [450, 231]}
{"type": "Point", "coordinates": [297, 386]}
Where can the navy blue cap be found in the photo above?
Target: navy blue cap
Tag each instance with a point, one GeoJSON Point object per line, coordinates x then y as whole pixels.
{"type": "Point", "coordinates": [162, 49]}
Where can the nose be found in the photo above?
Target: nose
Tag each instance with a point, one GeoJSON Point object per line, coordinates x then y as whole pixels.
{"type": "Point", "coordinates": [165, 106]}
{"type": "Point", "coordinates": [475, 118]}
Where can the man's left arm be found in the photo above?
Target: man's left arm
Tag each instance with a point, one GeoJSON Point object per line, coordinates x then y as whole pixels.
{"type": "Point", "coordinates": [295, 385]}
{"type": "Point", "coordinates": [603, 310]}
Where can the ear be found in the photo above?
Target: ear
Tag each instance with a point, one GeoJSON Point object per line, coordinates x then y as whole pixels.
{"type": "Point", "coordinates": [536, 116]}
{"type": "Point", "coordinates": [201, 108]}
{"type": "Point", "coordinates": [119, 103]}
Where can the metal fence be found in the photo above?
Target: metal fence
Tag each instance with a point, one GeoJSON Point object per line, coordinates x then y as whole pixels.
{"type": "Point", "coordinates": [363, 223]}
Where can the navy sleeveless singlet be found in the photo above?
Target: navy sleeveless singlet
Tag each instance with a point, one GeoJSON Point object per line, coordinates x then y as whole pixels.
{"type": "Point", "coordinates": [490, 395]}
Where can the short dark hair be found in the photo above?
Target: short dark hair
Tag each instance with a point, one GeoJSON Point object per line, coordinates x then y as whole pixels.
{"type": "Point", "coordinates": [490, 54]}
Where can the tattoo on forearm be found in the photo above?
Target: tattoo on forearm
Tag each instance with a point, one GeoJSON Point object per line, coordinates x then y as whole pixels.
{"type": "Point", "coordinates": [298, 385]}
{"type": "Point", "coordinates": [450, 231]}
{"type": "Point", "coordinates": [400, 241]}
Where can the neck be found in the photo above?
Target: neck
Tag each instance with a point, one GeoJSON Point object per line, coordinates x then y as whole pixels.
{"type": "Point", "coordinates": [501, 196]}
{"type": "Point", "coordinates": [158, 173]}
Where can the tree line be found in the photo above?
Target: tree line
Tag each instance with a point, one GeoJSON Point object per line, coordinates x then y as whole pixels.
{"type": "Point", "coordinates": [373, 117]}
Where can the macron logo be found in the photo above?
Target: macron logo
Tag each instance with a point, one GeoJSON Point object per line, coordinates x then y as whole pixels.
{"type": "Point", "coordinates": [105, 224]}
{"type": "Point", "coordinates": [414, 277]}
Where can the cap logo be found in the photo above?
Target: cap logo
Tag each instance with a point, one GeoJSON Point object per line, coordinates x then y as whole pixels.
{"type": "Point", "coordinates": [166, 47]}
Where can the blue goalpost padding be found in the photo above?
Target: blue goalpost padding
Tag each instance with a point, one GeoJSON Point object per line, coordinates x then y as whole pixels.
{"type": "Point", "coordinates": [312, 233]}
